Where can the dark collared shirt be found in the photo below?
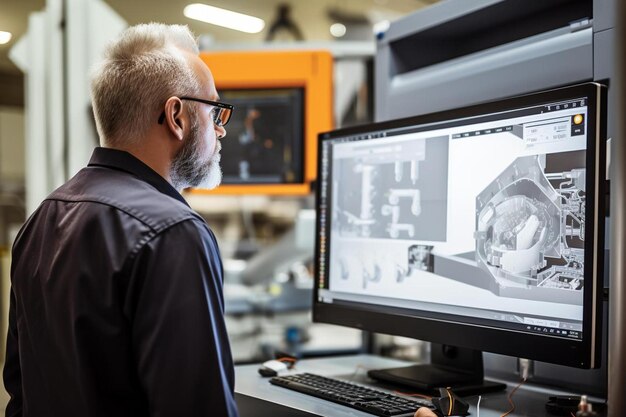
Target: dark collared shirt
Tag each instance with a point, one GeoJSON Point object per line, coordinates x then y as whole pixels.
{"type": "Point", "coordinates": [116, 302]}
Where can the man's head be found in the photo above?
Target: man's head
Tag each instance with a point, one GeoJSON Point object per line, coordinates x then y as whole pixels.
{"type": "Point", "coordinates": [143, 75]}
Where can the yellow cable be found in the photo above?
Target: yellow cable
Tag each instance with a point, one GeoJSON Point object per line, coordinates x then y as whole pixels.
{"type": "Point", "coordinates": [451, 400]}
{"type": "Point", "coordinates": [510, 398]}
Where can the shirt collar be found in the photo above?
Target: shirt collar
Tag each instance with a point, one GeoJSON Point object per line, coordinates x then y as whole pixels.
{"type": "Point", "coordinates": [124, 161]}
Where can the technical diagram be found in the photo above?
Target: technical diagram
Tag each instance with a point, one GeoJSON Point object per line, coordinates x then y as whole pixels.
{"type": "Point", "coordinates": [530, 232]}
{"type": "Point", "coordinates": [420, 258]}
{"type": "Point", "coordinates": [393, 191]}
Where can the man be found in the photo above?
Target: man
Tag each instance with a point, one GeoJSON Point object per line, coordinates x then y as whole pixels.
{"type": "Point", "coordinates": [116, 303]}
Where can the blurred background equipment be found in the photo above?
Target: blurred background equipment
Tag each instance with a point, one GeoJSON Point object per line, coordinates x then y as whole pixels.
{"type": "Point", "coordinates": [282, 99]}
{"type": "Point", "coordinates": [265, 136]}
{"type": "Point", "coordinates": [284, 25]}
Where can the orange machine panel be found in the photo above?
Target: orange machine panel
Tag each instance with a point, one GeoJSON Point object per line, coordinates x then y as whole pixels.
{"type": "Point", "coordinates": [310, 70]}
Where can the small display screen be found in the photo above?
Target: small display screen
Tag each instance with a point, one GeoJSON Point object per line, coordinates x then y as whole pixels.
{"type": "Point", "coordinates": [265, 136]}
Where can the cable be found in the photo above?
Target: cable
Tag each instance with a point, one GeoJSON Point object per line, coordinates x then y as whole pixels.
{"type": "Point", "coordinates": [510, 398]}
{"type": "Point", "coordinates": [291, 362]}
{"type": "Point", "coordinates": [410, 394]}
{"type": "Point", "coordinates": [451, 402]}
{"type": "Point", "coordinates": [480, 397]}
{"type": "Point", "coordinates": [287, 359]}
{"type": "Point", "coordinates": [356, 371]}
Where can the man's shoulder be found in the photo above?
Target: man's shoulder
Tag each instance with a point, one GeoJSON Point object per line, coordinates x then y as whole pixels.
{"type": "Point", "coordinates": [105, 189]}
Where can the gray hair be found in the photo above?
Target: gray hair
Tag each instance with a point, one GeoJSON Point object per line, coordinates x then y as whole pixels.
{"type": "Point", "coordinates": [140, 71]}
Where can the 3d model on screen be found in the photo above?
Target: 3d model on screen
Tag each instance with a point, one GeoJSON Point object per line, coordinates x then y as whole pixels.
{"type": "Point", "coordinates": [360, 267]}
{"type": "Point", "coordinates": [529, 231]}
{"type": "Point", "coordinates": [371, 273]}
{"type": "Point", "coordinates": [397, 168]}
{"type": "Point", "coordinates": [420, 258]}
{"type": "Point", "coordinates": [394, 227]}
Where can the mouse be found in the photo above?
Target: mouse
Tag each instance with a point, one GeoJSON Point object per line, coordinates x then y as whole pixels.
{"type": "Point", "coordinates": [273, 368]}
{"type": "Point", "coordinates": [449, 404]}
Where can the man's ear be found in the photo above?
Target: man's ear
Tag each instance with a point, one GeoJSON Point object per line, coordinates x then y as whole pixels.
{"type": "Point", "coordinates": [174, 118]}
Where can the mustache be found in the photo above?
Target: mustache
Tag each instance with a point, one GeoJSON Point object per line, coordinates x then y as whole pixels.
{"type": "Point", "coordinates": [216, 155]}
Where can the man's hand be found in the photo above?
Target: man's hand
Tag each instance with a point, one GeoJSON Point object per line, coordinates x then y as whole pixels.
{"type": "Point", "coordinates": [424, 412]}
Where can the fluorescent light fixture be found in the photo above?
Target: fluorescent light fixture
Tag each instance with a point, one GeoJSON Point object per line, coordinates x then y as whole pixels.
{"type": "Point", "coordinates": [5, 37]}
{"type": "Point", "coordinates": [381, 27]}
{"type": "Point", "coordinates": [337, 30]}
{"type": "Point", "coordinates": [225, 18]}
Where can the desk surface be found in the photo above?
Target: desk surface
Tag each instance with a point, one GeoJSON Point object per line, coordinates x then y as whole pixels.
{"type": "Point", "coordinates": [529, 401]}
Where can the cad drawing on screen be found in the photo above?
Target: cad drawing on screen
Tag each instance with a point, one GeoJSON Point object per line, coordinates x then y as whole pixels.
{"type": "Point", "coordinates": [493, 204]}
{"type": "Point", "coordinates": [473, 222]}
{"type": "Point", "coordinates": [387, 165]}
{"type": "Point", "coordinates": [522, 221]}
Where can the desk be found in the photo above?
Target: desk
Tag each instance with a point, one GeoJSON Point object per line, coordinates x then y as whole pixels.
{"type": "Point", "coordinates": [257, 397]}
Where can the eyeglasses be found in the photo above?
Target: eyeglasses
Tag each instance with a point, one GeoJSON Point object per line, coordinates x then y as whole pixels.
{"type": "Point", "coordinates": [220, 113]}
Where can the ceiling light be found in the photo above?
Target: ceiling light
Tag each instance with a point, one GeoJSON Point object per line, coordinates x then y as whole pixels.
{"type": "Point", "coordinates": [381, 27]}
{"type": "Point", "coordinates": [5, 37]}
{"type": "Point", "coordinates": [337, 30]}
{"type": "Point", "coordinates": [224, 18]}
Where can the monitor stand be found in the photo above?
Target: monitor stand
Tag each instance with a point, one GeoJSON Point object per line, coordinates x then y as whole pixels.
{"type": "Point", "coordinates": [457, 368]}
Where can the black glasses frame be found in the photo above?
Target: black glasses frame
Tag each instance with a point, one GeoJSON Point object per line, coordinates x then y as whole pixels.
{"type": "Point", "coordinates": [217, 104]}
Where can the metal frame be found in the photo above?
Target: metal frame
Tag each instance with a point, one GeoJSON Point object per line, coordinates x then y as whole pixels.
{"type": "Point", "coordinates": [617, 294]}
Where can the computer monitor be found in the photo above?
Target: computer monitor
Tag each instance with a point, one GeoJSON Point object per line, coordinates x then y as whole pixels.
{"type": "Point", "coordinates": [478, 228]}
{"type": "Point", "coordinates": [265, 136]}
{"type": "Point", "coordinates": [283, 99]}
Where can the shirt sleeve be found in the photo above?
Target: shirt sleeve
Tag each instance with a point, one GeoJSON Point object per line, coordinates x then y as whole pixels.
{"type": "Point", "coordinates": [179, 337]}
{"type": "Point", "coordinates": [12, 371]}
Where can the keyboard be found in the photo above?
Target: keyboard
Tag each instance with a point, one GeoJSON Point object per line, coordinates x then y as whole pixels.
{"type": "Point", "coordinates": [352, 395]}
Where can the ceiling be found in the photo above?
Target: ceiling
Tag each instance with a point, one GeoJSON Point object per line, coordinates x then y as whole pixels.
{"type": "Point", "coordinates": [310, 15]}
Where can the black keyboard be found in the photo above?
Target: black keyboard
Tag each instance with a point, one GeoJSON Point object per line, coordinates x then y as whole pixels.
{"type": "Point", "coordinates": [352, 395]}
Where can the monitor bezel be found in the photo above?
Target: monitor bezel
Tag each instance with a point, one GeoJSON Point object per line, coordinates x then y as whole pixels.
{"type": "Point", "coordinates": [580, 354]}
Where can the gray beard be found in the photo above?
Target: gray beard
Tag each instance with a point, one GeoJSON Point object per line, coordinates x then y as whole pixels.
{"type": "Point", "coordinates": [188, 170]}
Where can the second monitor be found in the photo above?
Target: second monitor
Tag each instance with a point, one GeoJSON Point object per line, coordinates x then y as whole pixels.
{"type": "Point", "coordinates": [283, 99]}
{"type": "Point", "coordinates": [265, 136]}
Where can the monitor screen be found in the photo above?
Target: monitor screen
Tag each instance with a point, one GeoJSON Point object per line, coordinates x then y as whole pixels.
{"type": "Point", "coordinates": [265, 136]}
{"type": "Point", "coordinates": [479, 227]}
